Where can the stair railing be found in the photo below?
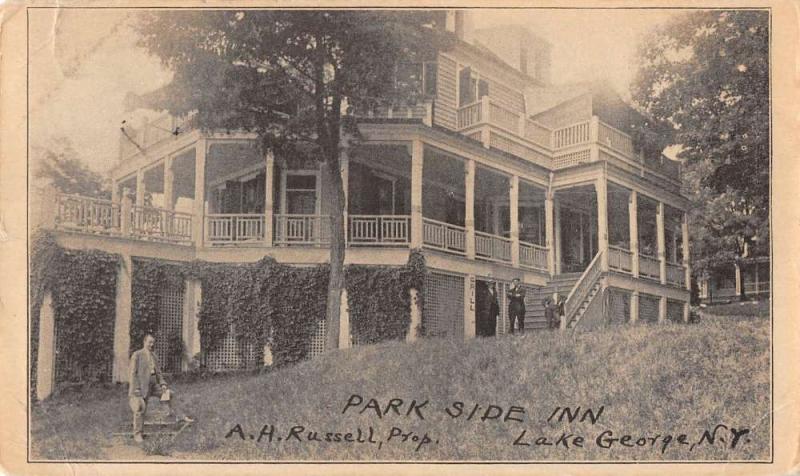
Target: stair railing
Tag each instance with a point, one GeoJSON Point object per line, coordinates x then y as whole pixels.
{"type": "Point", "coordinates": [582, 288]}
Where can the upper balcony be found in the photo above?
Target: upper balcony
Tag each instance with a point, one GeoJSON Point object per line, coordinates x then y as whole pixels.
{"type": "Point", "coordinates": [488, 122]}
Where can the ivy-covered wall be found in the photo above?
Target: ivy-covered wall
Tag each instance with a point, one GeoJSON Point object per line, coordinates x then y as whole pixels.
{"type": "Point", "coordinates": [83, 286]}
{"type": "Point", "coordinates": [379, 299]}
{"type": "Point", "coordinates": [264, 302]}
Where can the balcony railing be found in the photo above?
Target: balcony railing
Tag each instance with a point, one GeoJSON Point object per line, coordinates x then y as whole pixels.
{"type": "Point", "coordinates": [615, 139]}
{"type": "Point", "coordinates": [533, 256]}
{"type": "Point", "coordinates": [302, 230]}
{"type": "Point", "coordinates": [89, 215]}
{"type": "Point", "coordinates": [756, 288]}
{"type": "Point", "coordinates": [489, 112]}
{"type": "Point", "coordinates": [160, 224]}
{"type": "Point", "coordinates": [492, 247]}
{"type": "Point", "coordinates": [443, 236]}
{"type": "Point", "coordinates": [222, 229]}
{"type": "Point", "coordinates": [571, 135]}
{"type": "Point", "coordinates": [649, 267]}
{"type": "Point", "coordinates": [676, 274]}
{"type": "Point", "coordinates": [379, 230]}
{"type": "Point", "coordinates": [620, 259]}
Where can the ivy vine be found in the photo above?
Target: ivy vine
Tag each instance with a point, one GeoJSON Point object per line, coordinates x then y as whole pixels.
{"type": "Point", "coordinates": [83, 288]}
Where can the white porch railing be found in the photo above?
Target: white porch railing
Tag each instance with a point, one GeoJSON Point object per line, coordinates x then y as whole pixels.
{"type": "Point", "coordinates": [675, 274]}
{"type": "Point", "coordinates": [227, 228]}
{"type": "Point", "coordinates": [443, 236]}
{"type": "Point", "coordinates": [302, 230]}
{"type": "Point", "coordinates": [620, 259]}
{"type": "Point", "coordinates": [89, 215]}
{"type": "Point", "coordinates": [533, 256]}
{"type": "Point", "coordinates": [379, 229]}
{"type": "Point", "coordinates": [161, 224]}
{"type": "Point", "coordinates": [469, 115]}
{"type": "Point", "coordinates": [649, 267]}
{"type": "Point", "coordinates": [492, 247]}
{"type": "Point", "coordinates": [571, 135]}
{"type": "Point", "coordinates": [615, 139]}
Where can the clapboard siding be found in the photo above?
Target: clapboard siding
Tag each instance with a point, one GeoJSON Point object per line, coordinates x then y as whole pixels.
{"type": "Point", "coordinates": [505, 96]}
{"type": "Point", "coordinates": [446, 91]}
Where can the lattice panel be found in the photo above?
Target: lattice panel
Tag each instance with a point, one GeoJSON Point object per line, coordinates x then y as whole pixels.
{"type": "Point", "coordinates": [573, 158]}
{"type": "Point", "coordinates": [317, 346]}
{"type": "Point", "coordinates": [227, 356]}
{"type": "Point", "coordinates": [170, 327]}
{"type": "Point", "coordinates": [648, 308]}
{"type": "Point", "coordinates": [502, 300]}
{"type": "Point", "coordinates": [674, 310]}
{"type": "Point", "coordinates": [443, 309]}
{"type": "Point", "coordinates": [619, 306]}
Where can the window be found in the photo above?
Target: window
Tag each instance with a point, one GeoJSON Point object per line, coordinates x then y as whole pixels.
{"type": "Point", "coordinates": [301, 193]}
{"type": "Point", "coordinates": [430, 73]}
{"type": "Point", "coordinates": [470, 87]}
{"type": "Point", "coordinates": [418, 77]}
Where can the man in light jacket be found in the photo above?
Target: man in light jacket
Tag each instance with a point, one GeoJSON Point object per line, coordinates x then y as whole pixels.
{"type": "Point", "coordinates": [145, 379]}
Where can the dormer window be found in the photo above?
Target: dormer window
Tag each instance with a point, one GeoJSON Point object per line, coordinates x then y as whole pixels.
{"type": "Point", "coordinates": [471, 88]}
{"type": "Point", "coordinates": [419, 77]}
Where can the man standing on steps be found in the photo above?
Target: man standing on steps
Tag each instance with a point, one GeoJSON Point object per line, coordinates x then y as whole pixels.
{"type": "Point", "coordinates": [516, 306]}
{"type": "Point", "coordinates": [145, 379]}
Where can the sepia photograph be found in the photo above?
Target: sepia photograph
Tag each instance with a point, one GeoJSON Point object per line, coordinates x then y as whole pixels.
{"type": "Point", "coordinates": [521, 235]}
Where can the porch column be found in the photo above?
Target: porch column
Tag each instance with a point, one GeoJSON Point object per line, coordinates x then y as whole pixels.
{"type": "Point", "coordinates": [685, 242]}
{"type": "Point", "coordinates": [46, 357]}
{"type": "Point", "coordinates": [633, 225]}
{"type": "Point", "coordinates": [549, 235]}
{"type": "Point", "coordinates": [199, 193]}
{"type": "Point", "coordinates": [114, 191]}
{"type": "Point", "coordinates": [601, 187]}
{"type": "Point", "coordinates": [169, 179]}
{"type": "Point", "coordinates": [738, 278]}
{"type": "Point", "coordinates": [594, 149]}
{"type": "Point", "coordinates": [192, 299]}
{"type": "Point", "coordinates": [557, 234]}
{"type": "Point", "coordinates": [122, 320]}
{"type": "Point", "coordinates": [417, 155]}
{"type": "Point", "coordinates": [469, 306]}
{"type": "Point", "coordinates": [269, 196]}
{"type": "Point", "coordinates": [513, 209]}
{"type": "Point", "coordinates": [416, 315]}
{"type": "Point", "coordinates": [662, 255]}
{"type": "Point", "coordinates": [686, 312]}
{"type": "Point", "coordinates": [140, 188]}
{"type": "Point", "coordinates": [469, 208]}
{"type": "Point", "coordinates": [662, 309]}
{"type": "Point", "coordinates": [634, 306]}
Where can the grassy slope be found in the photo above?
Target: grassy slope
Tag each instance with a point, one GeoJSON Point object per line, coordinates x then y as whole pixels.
{"type": "Point", "coordinates": [651, 379]}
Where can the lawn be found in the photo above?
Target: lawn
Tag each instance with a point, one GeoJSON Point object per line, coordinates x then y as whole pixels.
{"type": "Point", "coordinates": [652, 382]}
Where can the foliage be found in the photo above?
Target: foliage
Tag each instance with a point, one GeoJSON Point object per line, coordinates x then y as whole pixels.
{"type": "Point", "coordinates": [288, 75]}
{"type": "Point", "coordinates": [264, 303]}
{"type": "Point", "coordinates": [706, 75]}
{"type": "Point", "coordinates": [64, 171]}
{"type": "Point", "coordinates": [83, 287]}
{"type": "Point", "coordinates": [379, 299]}
{"type": "Point", "coordinates": [149, 278]}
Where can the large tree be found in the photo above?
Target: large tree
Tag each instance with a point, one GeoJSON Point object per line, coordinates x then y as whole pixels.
{"type": "Point", "coordinates": [59, 166]}
{"type": "Point", "coordinates": [290, 76]}
{"type": "Point", "coordinates": [705, 75]}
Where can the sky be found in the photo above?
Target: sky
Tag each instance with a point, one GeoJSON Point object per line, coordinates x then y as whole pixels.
{"type": "Point", "coordinates": [85, 62]}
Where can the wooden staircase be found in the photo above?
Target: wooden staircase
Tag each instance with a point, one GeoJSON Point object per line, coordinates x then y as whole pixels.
{"type": "Point", "coordinates": [583, 292]}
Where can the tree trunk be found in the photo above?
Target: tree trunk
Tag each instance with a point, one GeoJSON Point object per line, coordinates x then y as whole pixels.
{"type": "Point", "coordinates": [743, 292]}
{"type": "Point", "coordinates": [335, 196]}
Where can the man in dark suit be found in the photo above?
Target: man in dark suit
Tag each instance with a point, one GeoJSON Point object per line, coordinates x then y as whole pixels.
{"type": "Point", "coordinates": [145, 379]}
{"type": "Point", "coordinates": [516, 306]}
{"type": "Point", "coordinates": [490, 309]}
